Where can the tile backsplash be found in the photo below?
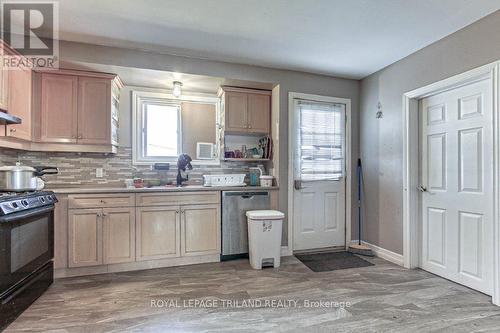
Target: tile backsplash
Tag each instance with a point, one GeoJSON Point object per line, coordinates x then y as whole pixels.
{"type": "Point", "coordinates": [79, 169]}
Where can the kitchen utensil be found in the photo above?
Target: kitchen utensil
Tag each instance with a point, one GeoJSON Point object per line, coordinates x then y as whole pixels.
{"type": "Point", "coordinates": [19, 178]}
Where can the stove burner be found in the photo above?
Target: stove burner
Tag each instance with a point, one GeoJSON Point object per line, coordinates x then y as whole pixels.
{"type": "Point", "coordinates": [13, 202]}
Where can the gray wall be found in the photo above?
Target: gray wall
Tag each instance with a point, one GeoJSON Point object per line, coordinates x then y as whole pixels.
{"type": "Point", "coordinates": [381, 139]}
{"type": "Point", "coordinates": [288, 81]}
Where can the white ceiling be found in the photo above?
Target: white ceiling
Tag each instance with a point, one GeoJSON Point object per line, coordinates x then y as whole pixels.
{"type": "Point", "coordinates": [348, 38]}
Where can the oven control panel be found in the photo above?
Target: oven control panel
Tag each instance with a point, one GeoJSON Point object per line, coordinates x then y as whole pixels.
{"type": "Point", "coordinates": [12, 203]}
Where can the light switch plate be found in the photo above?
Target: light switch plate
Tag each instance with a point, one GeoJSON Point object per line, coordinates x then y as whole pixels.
{"type": "Point", "coordinates": [99, 172]}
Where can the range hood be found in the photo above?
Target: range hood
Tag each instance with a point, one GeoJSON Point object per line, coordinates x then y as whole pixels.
{"type": "Point", "coordinates": [7, 119]}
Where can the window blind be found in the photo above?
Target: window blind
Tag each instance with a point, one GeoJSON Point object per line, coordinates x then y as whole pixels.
{"type": "Point", "coordinates": [320, 147]}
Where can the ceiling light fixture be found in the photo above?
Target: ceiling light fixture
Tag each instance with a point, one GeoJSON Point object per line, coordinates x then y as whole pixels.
{"type": "Point", "coordinates": [177, 91]}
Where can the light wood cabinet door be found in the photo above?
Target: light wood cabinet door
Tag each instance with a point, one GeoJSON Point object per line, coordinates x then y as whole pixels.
{"type": "Point", "coordinates": [158, 232]}
{"type": "Point", "coordinates": [94, 110]}
{"type": "Point", "coordinates": [119, 235]}
{"type": "Point", "coordinates": [58, 109]}
{"type": "Point", "coordinates": [200, 230]}
{"type": "Point", "coordinates": [236, 109]}
{"type": "Point", "coordinates": [259, 113]}
{"type": "Point", "coordinates": [85, 237]}
{"type": "Point", "coordinates": [19, 96]}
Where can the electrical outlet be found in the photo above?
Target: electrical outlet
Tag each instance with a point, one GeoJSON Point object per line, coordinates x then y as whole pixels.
{"type": "Point", "coordinates": [99, 172]}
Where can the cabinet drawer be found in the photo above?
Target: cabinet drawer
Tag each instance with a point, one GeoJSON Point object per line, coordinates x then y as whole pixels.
{"type": "Point", "coordinates": [167, 199]}
{"type": "Point", "coordinates": [101, 200]}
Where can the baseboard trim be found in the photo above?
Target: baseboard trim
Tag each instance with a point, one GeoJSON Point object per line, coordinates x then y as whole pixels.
{"type": "Point", "coordinates": [380, 252]}
{"type": "Point", "coordinates": [135, 266]}
{"type": "Point", "coordinates": [285, 251]}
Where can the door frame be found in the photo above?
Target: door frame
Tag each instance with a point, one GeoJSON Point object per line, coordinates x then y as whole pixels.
{"type": "Point", "coordinates": [348, 133]}
{"type": "Point", "coordinates": [411, 169]}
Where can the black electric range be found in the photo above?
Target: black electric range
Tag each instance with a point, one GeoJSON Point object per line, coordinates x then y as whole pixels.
{"type": "Point", "coordinates": [26, 250]}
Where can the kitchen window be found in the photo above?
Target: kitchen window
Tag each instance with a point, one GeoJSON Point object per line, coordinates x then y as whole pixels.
{"type": "Point", "coordinates": [161, 130]}
{"type": "Point", "coordinates": [165, 127]}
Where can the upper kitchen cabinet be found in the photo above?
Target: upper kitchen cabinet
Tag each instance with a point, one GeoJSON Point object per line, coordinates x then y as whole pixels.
{"type": "Point", "coordinates": [94, 111]}
{"type": "Point", "coordinates": [4, 78]}
{"type": "Point", "coordinates": [246, 111]}
{"type": "Point", "coordinates": [259, 113]}
{"type": "Point", "coordinates": [19, 103]}
{"type": "Point", "coordinates": [236, 111]}
{"type": "Point", "coordinates": [78, 108]}
{"type": "Point", "coordinates": [15, 95]}
{"type": "Point", "coordinates": [58, 105]}
{"type": "Point", "coordinates": [4, 87]}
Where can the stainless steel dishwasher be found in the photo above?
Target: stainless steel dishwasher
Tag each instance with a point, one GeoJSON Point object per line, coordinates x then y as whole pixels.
{"type": "Point", "coordinates": [234, 221]}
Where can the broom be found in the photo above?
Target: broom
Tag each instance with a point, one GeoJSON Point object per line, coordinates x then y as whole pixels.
{"type": "Point", "coordinates": [360, 248]}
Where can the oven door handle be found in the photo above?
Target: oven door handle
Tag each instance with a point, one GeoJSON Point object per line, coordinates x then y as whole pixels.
{"type": "Point", "coordinates": [26, 214]}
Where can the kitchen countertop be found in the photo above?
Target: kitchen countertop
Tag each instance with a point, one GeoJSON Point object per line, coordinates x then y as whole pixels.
{"type": "Point", "coordinates": [188, 188]}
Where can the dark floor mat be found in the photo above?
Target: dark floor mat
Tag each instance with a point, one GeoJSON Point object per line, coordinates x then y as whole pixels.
{"type": "Point", "coordinates": [331, 261]}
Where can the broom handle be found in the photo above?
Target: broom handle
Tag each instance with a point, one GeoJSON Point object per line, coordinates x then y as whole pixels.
{"type": "Point", "coordinates": [359, 200]}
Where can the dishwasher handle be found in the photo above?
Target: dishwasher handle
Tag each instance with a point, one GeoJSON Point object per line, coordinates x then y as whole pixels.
{"type": "Point", "coordinates": [245, 195]}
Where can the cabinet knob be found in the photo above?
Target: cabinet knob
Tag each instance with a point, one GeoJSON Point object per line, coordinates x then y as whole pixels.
{"type": "Point", "coordinates": [12, 130]}
{"type": "Point", "coordinates": [80, 136]}
{"type": "Point", "coordinates": [249, 126]}
{"type": "Point", "coordinates": [177, 211]}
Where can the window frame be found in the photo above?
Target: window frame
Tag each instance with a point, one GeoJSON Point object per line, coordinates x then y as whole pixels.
{"type": "Point", "coordinates": [140, 98]}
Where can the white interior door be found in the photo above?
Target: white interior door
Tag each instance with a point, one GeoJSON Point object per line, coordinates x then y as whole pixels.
{"type": "Point", "coordinates": [319, 164]}
{"type": "Point", "coordinates": [456, 177]}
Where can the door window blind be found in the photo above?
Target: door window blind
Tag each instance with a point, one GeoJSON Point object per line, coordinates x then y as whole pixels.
{"type": "Point", "coordinates": [320, 141]}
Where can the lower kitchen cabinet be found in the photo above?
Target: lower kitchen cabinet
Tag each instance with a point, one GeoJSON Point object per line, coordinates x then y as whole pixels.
{"type": "Point", "coordinates": [119, 235]}
{"type": "Point", "coordinates": [85, 237]}
{"type": "Point", "coordinates": [158, 232]}
{"type": "Point", "coordinates": [200, 228]}
{"type": "Point", "coordinates": [111, 232]}
{"type": "Point", "coordinates": [101, 236]}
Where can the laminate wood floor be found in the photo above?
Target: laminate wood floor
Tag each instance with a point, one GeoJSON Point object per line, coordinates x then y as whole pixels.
{"type": "Point", "coordinates": [219, 297]}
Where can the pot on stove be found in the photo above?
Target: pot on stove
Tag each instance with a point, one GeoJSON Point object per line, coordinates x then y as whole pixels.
{"type": "Point", "coordinates": [19, 178]}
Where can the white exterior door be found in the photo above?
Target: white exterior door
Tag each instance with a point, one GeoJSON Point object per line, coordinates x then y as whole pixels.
{"type": "Point", "coordinates": [319, 182]}
{"type": "Point", "coordinates": [456, 177]}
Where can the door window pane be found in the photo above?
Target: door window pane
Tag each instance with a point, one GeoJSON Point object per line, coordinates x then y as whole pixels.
{"type": "Point", "coordinates": [320, 146]}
